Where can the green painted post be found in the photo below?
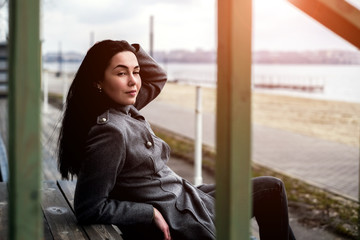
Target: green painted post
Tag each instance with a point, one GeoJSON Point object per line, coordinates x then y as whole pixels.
{"type": "Point", "coordinates": [233, 165]}
{"type": "Point", "coordinates": [25, 217]}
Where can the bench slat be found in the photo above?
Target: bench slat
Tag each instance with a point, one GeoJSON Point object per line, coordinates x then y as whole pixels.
{"type": "Point", "coordinates": [95, 231]}
{"type": "Point", "coordinates": [4, 223]}
{"type": "Point", "coordinates": [59, 215]}
{"type": "Point", "coordinates": [47, 232]}
{"type": "Point", "coordinates": [3, 209]}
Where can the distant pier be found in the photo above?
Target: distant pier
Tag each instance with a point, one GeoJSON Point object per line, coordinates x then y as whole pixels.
{"type": "Point", "coordinates": [295, 83]}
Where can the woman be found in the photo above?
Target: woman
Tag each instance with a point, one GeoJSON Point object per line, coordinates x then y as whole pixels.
{"type": "Point", "coordinates": [122, 176]}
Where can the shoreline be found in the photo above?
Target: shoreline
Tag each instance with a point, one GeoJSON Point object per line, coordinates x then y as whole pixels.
{"type": "Point", "coordinates": [326, 119]}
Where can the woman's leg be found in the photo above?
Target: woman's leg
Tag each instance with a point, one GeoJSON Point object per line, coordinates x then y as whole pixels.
{"type": "Point", "coordinates": [270, 208]}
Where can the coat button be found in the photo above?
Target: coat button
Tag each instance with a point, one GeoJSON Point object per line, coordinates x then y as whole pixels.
{"type": "Point", "coordinates": [148, 144]}
{"type": "Point", "coordinates": [103, 120]}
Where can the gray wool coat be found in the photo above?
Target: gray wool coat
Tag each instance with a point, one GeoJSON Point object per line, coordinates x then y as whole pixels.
{"type": "Point", "coordinates": [124, 174]}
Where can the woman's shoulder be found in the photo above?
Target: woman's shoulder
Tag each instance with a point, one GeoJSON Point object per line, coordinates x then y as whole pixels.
{"type": "Point", "coordinates": [107, 126]}
{"type": "Point", "coordinates": [117, 118]}
{"type": "Point", "coordinates": [111, 118]}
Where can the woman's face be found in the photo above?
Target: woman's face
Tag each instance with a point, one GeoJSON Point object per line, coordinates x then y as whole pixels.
{"type": "Point", "coordinates": [122, 80]}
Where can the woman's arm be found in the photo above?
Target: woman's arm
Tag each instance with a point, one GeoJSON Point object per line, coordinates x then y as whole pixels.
{"type": "Point", "coordinates": [153, 78]}
{"type": "Point", "coordinates": [104, 159]}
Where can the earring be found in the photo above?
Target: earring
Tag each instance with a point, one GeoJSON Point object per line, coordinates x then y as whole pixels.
{"type": "Point", "coordinates": [100, 89]}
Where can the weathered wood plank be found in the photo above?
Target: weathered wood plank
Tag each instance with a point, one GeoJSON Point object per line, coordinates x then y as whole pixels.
{"type": "Point", "coordinates": [4, 215]}
{"type": "Point", "coordinates": [68, 190]}
{"type": "Point", "coordinates": [47, 232]}
{"type": "Point", "coordinates": [59, 215]}
{"type": "Point", "coordinates": [95, 231]}
{"type": "Point", "coordinates": [3, 210]}
{"type": "Point", "coordinates": [4, 120]}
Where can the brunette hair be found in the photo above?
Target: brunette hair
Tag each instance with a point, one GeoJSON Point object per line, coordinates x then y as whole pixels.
{"type": "Point", "coordinates": [84, 103]}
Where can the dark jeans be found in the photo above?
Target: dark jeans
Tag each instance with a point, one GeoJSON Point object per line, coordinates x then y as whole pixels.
{"type": "Point", "coordinates": [270, 208]}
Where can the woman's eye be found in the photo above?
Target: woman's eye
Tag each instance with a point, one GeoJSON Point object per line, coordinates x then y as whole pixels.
{"type": "Point", "coordinates": [137, 72]}
{"type": "Point", "coordinates": [121, 74]}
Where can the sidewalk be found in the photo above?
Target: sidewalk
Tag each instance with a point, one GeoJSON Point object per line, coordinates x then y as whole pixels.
{"type": "Point", "coordinates": [328, 165]}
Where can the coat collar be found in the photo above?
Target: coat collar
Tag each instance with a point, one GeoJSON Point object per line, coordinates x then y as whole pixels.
{"type": "Point", "coordinates": [123, 108]}
{"type": "Point", "coordinates": [130, 110]}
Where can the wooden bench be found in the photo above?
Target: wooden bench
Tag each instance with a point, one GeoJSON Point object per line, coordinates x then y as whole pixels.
{"type": "Point", "coordinates": [57, 200]}
{"type": "Point", "coordinates": [59, 218]}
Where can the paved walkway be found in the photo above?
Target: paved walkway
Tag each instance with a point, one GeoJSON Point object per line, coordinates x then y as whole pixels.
{"type": "Point", "coordinates": [329, 165]}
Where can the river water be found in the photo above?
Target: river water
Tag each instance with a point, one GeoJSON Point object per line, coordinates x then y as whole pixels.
{"type": "Point", "coordinates": [328, 82]}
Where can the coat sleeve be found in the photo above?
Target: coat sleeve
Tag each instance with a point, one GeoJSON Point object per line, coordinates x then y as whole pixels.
{"type": "Point", "coordinates": [153, 78]}
{"type": "Point", "coordinates": [104, 158]}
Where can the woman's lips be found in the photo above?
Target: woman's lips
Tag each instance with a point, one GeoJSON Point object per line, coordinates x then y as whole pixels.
{"type": "Point", "coordinates": [132, 93]}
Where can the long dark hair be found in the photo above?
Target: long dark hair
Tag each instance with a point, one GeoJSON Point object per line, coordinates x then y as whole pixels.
{"type": "Point", "coordinates": [84, 103]}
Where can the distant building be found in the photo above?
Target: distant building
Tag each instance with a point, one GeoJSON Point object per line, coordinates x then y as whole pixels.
{"type": "Point", "coordinates": [185, 56]}
{"type": "Point", "coordinates": [307, 57]}
{"type": "Point", "coordinates": [65, 57]}
{"type": "Point", "coordinates": [258, 57]}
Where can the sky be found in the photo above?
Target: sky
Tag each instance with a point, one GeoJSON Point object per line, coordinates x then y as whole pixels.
{"type": "Point", "coordinates": [186, 24]}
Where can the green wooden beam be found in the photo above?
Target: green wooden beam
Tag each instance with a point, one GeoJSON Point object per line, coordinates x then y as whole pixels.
{"type": "Point", "coordinates": [337, 15]}
{"type": "Point", "coordinates": [25, 217]}
{"type": "Point", "coordinates": [233, 192]}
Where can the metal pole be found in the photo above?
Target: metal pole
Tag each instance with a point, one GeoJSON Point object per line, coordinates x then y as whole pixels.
{"type": "Point", "coordinates": [65, 88]}
{"type": "Point", "coordinates": [92, 39]}
{"type": "Point", "coordinates": [45, 90]}
{"type": "Point", "coordinates": [60, 60]}
{"type": "Point", "coordinates": [198, 138]}
{"type": "Point", "coordinates": [25, 216]}
{"type": "Point", "coordinates": [44, 82]}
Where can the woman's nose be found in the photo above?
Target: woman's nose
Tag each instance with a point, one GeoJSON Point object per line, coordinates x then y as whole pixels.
{"type": "Point", "coordinates": [132, 80]}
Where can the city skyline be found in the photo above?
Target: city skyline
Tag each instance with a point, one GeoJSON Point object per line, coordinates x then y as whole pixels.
{"type": "Point", "coordinates": [189, 24]}
{"type": "Point", "coordinates": [258, 57]}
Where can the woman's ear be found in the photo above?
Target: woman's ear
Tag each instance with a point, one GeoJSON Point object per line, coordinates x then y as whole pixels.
{"type": "Point", "coordinates": [97, 85]}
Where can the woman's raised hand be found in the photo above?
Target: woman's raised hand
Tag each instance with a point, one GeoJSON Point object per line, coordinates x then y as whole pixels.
{"type": "Point", "coordinates": [161, 224]}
